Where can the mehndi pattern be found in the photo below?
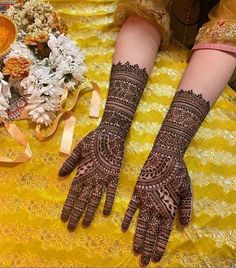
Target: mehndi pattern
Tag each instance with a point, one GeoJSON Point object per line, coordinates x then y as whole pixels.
{"type": "Point", "coordinates": [164, 185]}
{"type": "Point", "coordinates": [99, 155]}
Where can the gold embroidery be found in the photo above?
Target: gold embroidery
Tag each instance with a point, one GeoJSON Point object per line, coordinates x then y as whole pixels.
{"type": "Point", "coordinates": [219, 30]}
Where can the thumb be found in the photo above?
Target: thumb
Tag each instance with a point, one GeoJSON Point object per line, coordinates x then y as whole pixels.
{"type": "Point", "coordinates": [71, 162]}
{"type": "Point", "coordinates": [133, 206]}
{"type": "Point", "coordinates": [186, 202]}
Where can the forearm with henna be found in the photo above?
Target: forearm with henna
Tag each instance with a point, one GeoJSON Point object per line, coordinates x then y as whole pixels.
{"type": "Point", "coordinates": [99, 155]}
{"type": "Point", "coordinates": [164, 186]}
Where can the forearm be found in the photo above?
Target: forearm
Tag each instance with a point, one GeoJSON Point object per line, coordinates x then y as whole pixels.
{"type": "Point", "coordinates": [138, 42]}
{"type": "Point", "coordinates": [203, 81]}
{"type": "Point", "coordinates": [208, 72]}
{"type": "Point", "coordinates": [135, 53]}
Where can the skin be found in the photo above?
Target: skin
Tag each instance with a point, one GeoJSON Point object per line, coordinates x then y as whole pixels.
{"type": "Point", "coordinates": [220, 65]}
{"type": "Point", "coordinates": [138, 42]}
{"type": "Point", "coordinates": [207, 72]}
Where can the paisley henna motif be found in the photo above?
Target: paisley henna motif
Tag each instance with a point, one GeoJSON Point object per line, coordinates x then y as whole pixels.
{"type": "Point", "coordinates": [164, 185]}
{"type": "Point", "coordinates": [99, 155]}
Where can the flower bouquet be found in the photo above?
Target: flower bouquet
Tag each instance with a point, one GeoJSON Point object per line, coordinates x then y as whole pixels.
{"type": "Point", "coordinates": [40, 66]}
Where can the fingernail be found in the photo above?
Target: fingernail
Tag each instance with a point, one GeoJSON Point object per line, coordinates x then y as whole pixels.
{"type": "Point", "coordinates": [64, 217]}
{"type": "Point", "coordinates": [184, 221]}
{"type": "Point", "coordinates": [106, 212]}
{"type": "Point", "coordinates": [86, 222]}
{"type": "Point", "coordinates": [124, 226]}
{"type": "Point", "coordinates": [71, 227]}
{"type": "Point", "coordinates": [62, 172]}
{"type": "Point", "coordinates": [157, 257]}
{"type": "Point", "coordinates": [145, 260]}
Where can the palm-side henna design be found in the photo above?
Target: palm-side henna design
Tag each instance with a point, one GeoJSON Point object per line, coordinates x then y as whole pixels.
{"type": "Point", "coordinates": [164, 186]}
{"type": "Point", "coordinates": [99, 155]}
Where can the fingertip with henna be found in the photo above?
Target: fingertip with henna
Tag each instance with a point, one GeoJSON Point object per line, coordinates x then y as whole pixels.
{"type": "Point", "coordinates": [71, 227]}
{"type": "Point", "coordinates": [106, 212]}
{"type": "Point", "coordinates": [144, 261]}
{"type": "Point", "coordinates": [184, 221]}
{"type": "Point", "coordinates": [137, 248]}
{"type": "Point", "coordinates": [124, 226]}
{"type": "Point", "coordinates": [64, 217]}
{"type": "Point", "coordinates": [86, 222]}
{"type": "Point", "coordinates": [62, 172]}
{"type": "Point", "coordinates": [157, 257]}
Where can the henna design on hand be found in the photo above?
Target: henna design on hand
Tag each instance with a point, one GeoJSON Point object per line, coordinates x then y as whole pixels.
{"type": "Point", "coordinates": [164, 186]}
{"type": "Point", "coordinates": [99, 155]}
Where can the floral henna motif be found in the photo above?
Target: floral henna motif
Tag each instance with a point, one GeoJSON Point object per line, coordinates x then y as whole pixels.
{"type": "Point", "coordinates": [99, 155]}
{"type": "Point", "coordinates": [164, 186]}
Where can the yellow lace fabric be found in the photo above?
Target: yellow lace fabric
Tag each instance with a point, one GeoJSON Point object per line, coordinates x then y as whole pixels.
{"type": "Point", "coordinates": [32, 195]}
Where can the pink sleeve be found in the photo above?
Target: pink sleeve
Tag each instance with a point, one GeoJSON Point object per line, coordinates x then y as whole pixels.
{"type": "Point", "coordinates": [217, 46]}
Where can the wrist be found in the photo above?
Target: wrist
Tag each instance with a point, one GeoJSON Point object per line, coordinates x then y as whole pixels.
{"type": "Point", "coordinates": [182, 121]}
{"type": "Point", "coordinates": [118, 116]}
{"type": "Point", "coordinates": [171, 143]}
{"type": "Point", "coordinates": [113, 130]}
{"type": "Point", "coordinates": [127, 83]}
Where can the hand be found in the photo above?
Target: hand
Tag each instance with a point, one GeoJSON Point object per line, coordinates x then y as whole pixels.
{"type": "Point", "coordinates": [99, 160]}
{"type": "Point", "coordinates": [99, 155]}
{"type": "Point", "coordinates": [163, 187]}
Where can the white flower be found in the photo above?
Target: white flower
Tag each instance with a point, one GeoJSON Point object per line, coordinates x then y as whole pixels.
{"type": "Point", "coordinates": [29, 84]}
{"type": "Point", "coordinates": [5, 95]}
{"type": "Point", "coordinates": [42, 110]}
{"type": "Point", "coordinates": [18, 49]}
{"type": "Point", "coordinates": [47, 78]}
{"type": "Point", "coordinates": [66, 58]}
{"type": "Point", "coordinates": [45, 89]}
{"type": "Point", "coordinates": [71, 84]}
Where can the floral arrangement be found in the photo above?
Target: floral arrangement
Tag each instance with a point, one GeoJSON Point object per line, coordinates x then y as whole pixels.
{"type": "Point", "coordinates": [41, 64]}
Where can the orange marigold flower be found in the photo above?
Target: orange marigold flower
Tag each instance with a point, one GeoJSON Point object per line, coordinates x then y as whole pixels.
{"type": "Point", "coordinates": [58, 23]}
{"type": "Point", "coordinates": [35, 39]}
{"type": "Point", "coordinates": [17, 67]}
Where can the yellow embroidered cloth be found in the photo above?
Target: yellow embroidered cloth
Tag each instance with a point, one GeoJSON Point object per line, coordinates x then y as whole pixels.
{"type": "Point", "coordinates": [32, 195]}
